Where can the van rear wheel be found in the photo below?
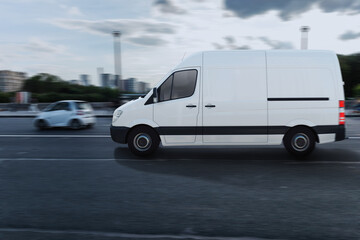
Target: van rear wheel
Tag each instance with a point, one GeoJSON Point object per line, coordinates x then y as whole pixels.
{"type": "Point", "coordinates": [143, 141]}
{"type": "Point", "coordinates": [299, 141]}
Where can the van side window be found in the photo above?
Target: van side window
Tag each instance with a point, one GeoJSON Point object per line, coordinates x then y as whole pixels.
{"type": "Point", "coordinates": [180, 84]}
{"type": "Point", "coordinates": [165, 89]}
{"type": "Point", "coordinates": [184, 84]}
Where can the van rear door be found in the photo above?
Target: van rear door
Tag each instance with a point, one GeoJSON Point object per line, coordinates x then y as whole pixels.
{"type": "Point", "coordinates": [234, 97]}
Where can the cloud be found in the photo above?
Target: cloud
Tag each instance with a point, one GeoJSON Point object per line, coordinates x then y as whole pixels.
{"type": "Point", "coordinates": [138, 31]}
{"type": "Point", "coordinates": [126, 26]}
{"type": "Point", "coordinates": [349, 35]}
{"type": "Point", "coordinates": [38, 45]}
{"type": "Point", "coordinates": [167, 6]}
{"type": "Point", "coordinates": [276, 44]}
{"type": "Point", "coordinates": [72, 10]}
{"type": "Point", "coordinates": [287, 9]}
{"type": "Point", "coordinates": [147, 40]}
{"type": "Point", "coordinates": [230, 43]}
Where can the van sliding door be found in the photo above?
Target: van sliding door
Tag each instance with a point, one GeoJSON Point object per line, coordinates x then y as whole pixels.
{"type": "Point", "coordinates": [234, 97]}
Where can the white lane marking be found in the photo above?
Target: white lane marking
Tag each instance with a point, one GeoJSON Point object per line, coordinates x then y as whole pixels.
{"type": "Point", "coordinates": [163, 160]}
{"type": "Point", "coordinates": [354, 137]}
{"type": "Point", "coordinates": [123, 235]}
{"type": "Point", "coordinates": [87, 159]}
{"type": "Point", "coordinates": [57, 136]}
{"type": "Point", "coordinates": [323, 162]}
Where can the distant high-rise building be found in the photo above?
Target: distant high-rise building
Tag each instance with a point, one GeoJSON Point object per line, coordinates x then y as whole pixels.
{"type": "Point", "coordinates": [129, 85]}
{"type": "Point", "coordinates": [118, 83]}
{"type": "Point", "coordinates": [117, 53]}
{"type": "Point", "coordinates": [11, 81]}
{"type": "Point", "coordinates": [85, 79]}
{"type": "Point", "coordinates": [75, 81]}
{"type": "Point", "coordinates": [106, 80]}
{"type": "Point", "coordinates": [100, 71]}
{"type": "Point", "coordinates": [141, 87]}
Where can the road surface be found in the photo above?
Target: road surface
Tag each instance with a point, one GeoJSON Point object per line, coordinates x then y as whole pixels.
{"type": "Point", "coordinates": [65, 184]}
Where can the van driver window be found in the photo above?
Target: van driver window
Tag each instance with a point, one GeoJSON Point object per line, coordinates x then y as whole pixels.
{"type": "Point", "coordinates": [179, 85]}
{"type": "Point", "coordinates": [184, 84]}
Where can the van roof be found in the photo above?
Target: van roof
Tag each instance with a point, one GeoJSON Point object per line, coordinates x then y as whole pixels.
{"type": "Point", "coordinates": [196, 58]}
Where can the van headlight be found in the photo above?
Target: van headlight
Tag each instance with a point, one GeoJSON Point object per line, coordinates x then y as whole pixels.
{"type": "Point", "coordinates": [116, 115]}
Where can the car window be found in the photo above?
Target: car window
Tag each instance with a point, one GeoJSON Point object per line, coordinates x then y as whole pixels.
{"type": "Point", "coordinates": [165, 89]}
{"type": "Point", "coordinates": [183, 84]}
{"type": "Point", "coordinates": [83, 106]}
{"type": "Point", "coordinates": [60, 106]}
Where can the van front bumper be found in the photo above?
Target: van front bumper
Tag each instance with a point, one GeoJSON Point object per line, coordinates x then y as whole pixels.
{"type": "Point", "coordinates": [118, 134]}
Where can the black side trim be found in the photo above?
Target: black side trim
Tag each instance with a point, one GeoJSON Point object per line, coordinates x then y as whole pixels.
{"type": "Point", "coordinates": [300, 99]}
{"type": "Point", "coordinates": [244, 130]}
{"type": "Point", "coordinates": [231, 130]}
{"type": "Point", "coordinates": [178, 130]}
{"type": "Point", "coordinates": [118, 134]}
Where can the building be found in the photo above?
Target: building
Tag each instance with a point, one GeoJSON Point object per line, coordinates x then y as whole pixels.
{"type": "Point", "coordinates": [85, 79]}
{"type": "Point", "coordinates": [75, 81]}
{"type": "Point", "coordinates": [129, 85]}
{"type": "Point", "coordinates": [11, 81]}
{"type": "Point", "coordinates": [141, 87]}
{"type": "Point", "coordinates": [106, 80]}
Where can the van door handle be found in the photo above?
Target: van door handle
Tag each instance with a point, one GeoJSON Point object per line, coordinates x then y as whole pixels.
{"type": "Point", "coordinates": [191, 106]}
{"type": "Point", "coordinates": [210, 106]}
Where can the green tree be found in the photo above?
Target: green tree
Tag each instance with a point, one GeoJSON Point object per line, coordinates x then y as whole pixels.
{"type": "Point", "coordinates": [49, 88]}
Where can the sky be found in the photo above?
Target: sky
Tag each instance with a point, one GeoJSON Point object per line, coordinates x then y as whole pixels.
{"type": "Point", "coordinates": [72, 37]}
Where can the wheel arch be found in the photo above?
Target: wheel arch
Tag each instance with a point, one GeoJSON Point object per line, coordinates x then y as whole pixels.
{"type": "Point", "coordinates": [141, 125]}
{"type": "Point", "coordinates": [302, 126]}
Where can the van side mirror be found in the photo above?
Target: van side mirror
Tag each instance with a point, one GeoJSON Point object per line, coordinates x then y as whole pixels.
{"type": "Point", "coordinates": [155, 95]}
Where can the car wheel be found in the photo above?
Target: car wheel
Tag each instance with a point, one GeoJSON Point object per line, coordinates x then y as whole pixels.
{"type": "Point", "coordinates": [300, 141]}
{"type": "Point", "coordinates": [143, 141]}
{"type": "Point", "coordinates": [75, 124]}
{"type": "Point", "coordinates": [41, 124]}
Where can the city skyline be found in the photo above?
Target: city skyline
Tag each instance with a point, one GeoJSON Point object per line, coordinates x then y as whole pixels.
{"type": "Point", "coordinates": [70, 38]}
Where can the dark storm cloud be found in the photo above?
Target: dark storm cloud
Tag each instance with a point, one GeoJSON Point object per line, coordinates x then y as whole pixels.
{"type": "Point", "coordinates": [167, 6]}
{"type": "Point", "coordinates": [349, 35]}
{"type": "Point", "coordinates": [289, 8]}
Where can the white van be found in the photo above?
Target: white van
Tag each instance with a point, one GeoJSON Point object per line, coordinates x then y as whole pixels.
{"type": "Point", "coordinates": [239, 98]}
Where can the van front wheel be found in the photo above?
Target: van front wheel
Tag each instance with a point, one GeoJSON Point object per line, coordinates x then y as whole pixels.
{"type": "Point", "coordinates": [143, 141]}
{"type": "Point", "coordinates": [299, 141]}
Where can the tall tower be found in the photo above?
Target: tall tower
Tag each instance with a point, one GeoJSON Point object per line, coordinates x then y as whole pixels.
{"type": "Point", "coordinates": [117, 58]}
{"type": "Point", "coordinates": [304, 37]}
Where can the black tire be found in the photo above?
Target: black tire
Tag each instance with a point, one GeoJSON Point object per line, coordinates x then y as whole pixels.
{"type": "Point", "coordinates": [90, 125]}
{"type": "Point", "coordinates": [143, 141]}
{"type": "Point", "coordinates": [75, 124]}
{"type": "Point", "coordinates": [300, 141]}
{"type": "Point", "coordinates": [41, 124]}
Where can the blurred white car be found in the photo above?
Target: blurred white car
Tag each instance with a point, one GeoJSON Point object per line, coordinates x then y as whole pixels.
{"type": "Point", "coordinates": [69, 113]}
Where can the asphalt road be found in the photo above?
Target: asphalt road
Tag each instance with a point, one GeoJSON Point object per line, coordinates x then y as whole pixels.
{"type": "Point", "coordinates": [65, 184]}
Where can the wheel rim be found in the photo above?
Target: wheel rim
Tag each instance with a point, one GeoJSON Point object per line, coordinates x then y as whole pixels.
{"type": "Point", "coordinates": [142, 142]}
{"type": "Point", "coordinates": [300, 142]}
